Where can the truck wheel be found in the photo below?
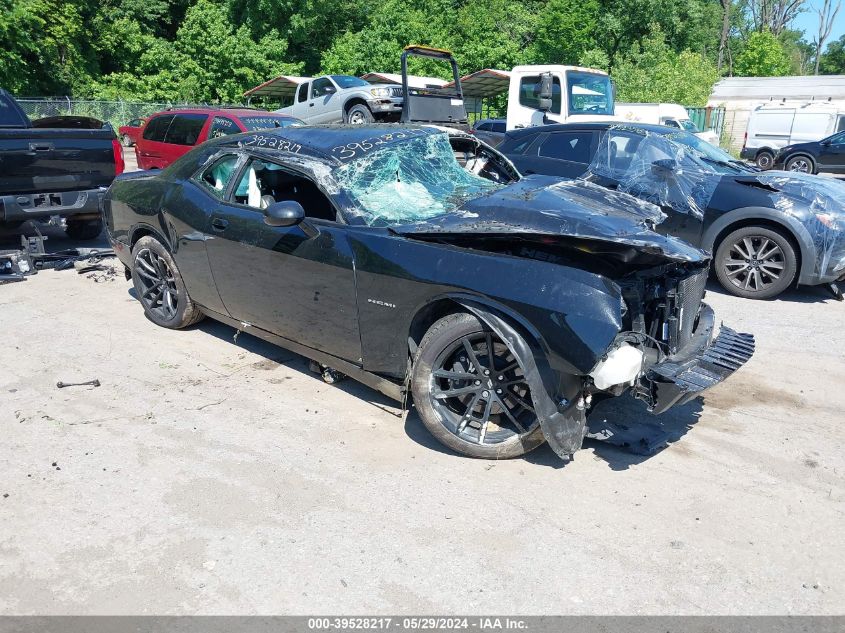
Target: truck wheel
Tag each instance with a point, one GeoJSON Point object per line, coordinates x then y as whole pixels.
{"type": "Point", "coordinates": [159, 286]}
{"type": "Point", "coordinates": [127, 142]}
{"type": "Point", "coordinates": [765, 159]}
{"type": "Point", "coordinates": [359, 114]}
{"type": "Point", "coordinates": [84, 229]}
{"type": "Point", "coordinates": [755, 263]}
{"type": "Point", "coordinates": [802, 164]}
{"type": "Point", "coordinates": [471, 392]}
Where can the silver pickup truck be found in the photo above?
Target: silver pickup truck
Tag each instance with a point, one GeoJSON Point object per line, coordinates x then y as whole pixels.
{"type": "Point", "coordinates": [345, 99]}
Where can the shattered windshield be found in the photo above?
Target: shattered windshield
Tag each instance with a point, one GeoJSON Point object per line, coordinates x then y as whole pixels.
{"type": "Point", "coordinates": [410, 181]}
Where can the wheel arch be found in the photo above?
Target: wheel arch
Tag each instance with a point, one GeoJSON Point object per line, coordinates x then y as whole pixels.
{"type": "Point", "coordinates": [790, 227]}
{"type": "Point", "coordinates": [806, 155]}
{"type": "Point", "coordinates": [146, 230]}
{"type": "Point", "coordinates": [515, 331]}
{"type": "Point", "coordinates": [353, 101]}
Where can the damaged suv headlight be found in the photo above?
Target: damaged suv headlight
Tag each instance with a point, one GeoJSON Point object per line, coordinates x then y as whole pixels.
{"type": "Point", "coordinates": [830, 220]}
{"type": "Point", "coordinates": [380, 92]}
{"type": "Point", "coordinates": [621, 366]}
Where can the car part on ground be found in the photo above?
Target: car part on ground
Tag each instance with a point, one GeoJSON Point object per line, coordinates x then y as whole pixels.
{"type": "Point", "coordinates": [505, 309]}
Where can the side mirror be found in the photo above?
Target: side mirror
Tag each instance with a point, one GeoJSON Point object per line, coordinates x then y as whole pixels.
{"type": "Point", "coordinates": [664, 167]}
{"type": "Point", "coordinates": [824, 143]}
{"type": "Point", "coordinates": [285, 213]}
{"type": "Point", "coordinates": [328, 90]}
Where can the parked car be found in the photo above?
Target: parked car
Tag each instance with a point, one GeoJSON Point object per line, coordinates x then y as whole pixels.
{"type": "Point", "coordinates": [169, 134]}
{"type": "Point", "coordinates": [491, 131]}
{"type": "Point", "coordinates": [810, 158]}
{"type": "Point", "coordinates": [504, 305]}
{"type": "Point", "coordinates": [345, 99]}
{"type": "Point", "coordinates": [55, 167]}
{"type": "Point", "coordinates": [774, 126]}
{"type": "Point", "coordinates": [130, 132]}
{"type": "Point", "coordinates": [768, 230]}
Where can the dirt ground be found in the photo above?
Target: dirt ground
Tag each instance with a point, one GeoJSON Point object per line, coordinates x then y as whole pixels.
{"type": "Point", "coordinates": [212, 476]}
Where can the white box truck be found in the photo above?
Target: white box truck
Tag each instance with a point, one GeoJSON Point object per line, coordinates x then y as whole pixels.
{"type": "Point", "coordinates": [539, 95]}
{"type": "Point", "coordinates": [772, 126]}
{"type": "Point", "coordinates": [670, 114]}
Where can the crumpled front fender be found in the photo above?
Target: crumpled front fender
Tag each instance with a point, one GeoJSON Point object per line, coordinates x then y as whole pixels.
{"type": "Point", "coordinates": [556, 397]}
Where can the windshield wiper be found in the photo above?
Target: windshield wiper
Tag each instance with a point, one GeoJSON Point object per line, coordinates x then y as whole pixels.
{"type": "Point", "coordinates": [724, 163]}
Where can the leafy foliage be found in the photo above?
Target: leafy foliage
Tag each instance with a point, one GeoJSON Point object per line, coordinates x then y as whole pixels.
{"type": "Point", "coordinates": [833, 59]}
{"type": "Point", "coordinates": [214, 50]}
{"type": "Point", "coordinates": [762, 56]}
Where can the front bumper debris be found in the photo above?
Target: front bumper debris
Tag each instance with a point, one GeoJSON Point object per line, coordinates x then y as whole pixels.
{"type": "Point", "coordinates": [672, 383]}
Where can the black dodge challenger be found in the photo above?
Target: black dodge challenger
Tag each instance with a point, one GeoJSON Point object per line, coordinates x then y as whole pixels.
{"type": "Point", "coordinates": [421, 263]}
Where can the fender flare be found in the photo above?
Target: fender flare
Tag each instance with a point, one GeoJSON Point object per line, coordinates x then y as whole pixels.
{"type": "Point", "coordinates": [793, 226]}
{"type": "Point", "coordinates": [556, 397]}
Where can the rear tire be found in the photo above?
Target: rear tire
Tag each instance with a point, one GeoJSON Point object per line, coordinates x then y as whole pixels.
{"type": "Point", "coordinates": [755, 262]}
{"type": "Point", "coordinates": [500, 397]}
{"type": "Point", "coordinates": [84, 229]}
{"type": "Point", "coordinates": [359, 114]}
{"type": "Point", "coordinates": [765, 159]}
{"type": "Point", "coordinates": [159, 286]}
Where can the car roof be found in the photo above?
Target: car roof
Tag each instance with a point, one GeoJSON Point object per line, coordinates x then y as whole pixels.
{"type": "Point", "coordinates": [593, 125]}
{"type": "Point", "coordinates": [335, 143]}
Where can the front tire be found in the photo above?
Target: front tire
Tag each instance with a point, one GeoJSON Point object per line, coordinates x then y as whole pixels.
{"type": "Point", "coordinates": [801, 164]}
{"type": "Point", "coordinates": [359, 114]}
{"type": "Point", "coordinates": [159, 286]}
{"type": "Point", "coordinates": [755, 263]}
{"type": "Point", "coordinates": [471, 391]}
{"type": "Point", "coordinates": [84, 229]}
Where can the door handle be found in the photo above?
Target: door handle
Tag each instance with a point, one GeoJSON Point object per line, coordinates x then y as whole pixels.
{"type": "Point", "coordinates": [219, 224]}
{"type": "Point", "coordinates": [310, 105]}
{"type": "Point", "coordinates": [40, 147]}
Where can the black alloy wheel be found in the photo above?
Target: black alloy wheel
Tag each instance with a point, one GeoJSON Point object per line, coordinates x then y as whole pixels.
{"type": "Point", "coordinates": [159, 285]}
{"type": "Point", "coordinates": [472, 394]}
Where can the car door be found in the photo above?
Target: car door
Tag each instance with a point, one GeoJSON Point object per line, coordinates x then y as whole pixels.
{"type": "Point", "coordinates": [295, 281]}
{"type": "Point", "coordinates": [564, 154]}
{"type": "Point", "coordinates": [323, 107]}
{"type": "Point", "coordinates": [832, 154]}
{"type": "Point", "coordinates": [151, 148]}
{"type": "Point", "coordinates": [185, 131]}
{"type": "Point", "coordinates": [300, 108]}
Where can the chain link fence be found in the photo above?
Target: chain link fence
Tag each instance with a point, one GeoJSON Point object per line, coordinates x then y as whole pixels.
{"type": "Point", "coordinates": [116, 113]}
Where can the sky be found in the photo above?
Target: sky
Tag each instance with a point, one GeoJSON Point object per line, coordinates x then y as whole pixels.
{"type": "Point", "coordinates": [808, 21]}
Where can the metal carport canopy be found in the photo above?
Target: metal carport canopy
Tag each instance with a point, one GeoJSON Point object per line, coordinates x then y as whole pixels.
{"type": "Point", "coordinates": [278, 87]}
{"type": "Point", "coordinates": [487, 82]}
{"type": "Point", "coordinates": [414, 81]}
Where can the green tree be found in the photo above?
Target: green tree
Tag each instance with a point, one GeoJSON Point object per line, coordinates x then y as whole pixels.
{"type": "Point", "coordinates": [833, 59]}
{"type": "Point", "coordinates": [762, 56]}
{"type": "Point", "coordinates": [210, 60]}
{"type": "Point", "coordinates": [566, 29]}
{"type": "Point", "coordinates": [652, 72]}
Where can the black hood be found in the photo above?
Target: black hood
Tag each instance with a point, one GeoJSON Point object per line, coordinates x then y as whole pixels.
{"type": "Point", "coordinates": [545, 205]}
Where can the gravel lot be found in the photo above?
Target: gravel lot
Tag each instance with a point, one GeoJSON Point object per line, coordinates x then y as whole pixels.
{"type": "Point", "coordinates": [212, 476]}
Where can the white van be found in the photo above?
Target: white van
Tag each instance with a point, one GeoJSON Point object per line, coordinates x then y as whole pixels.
{"type": "Point", "coordinates": [773, 126]}
{"type": "Point", "coordinates": [670, 114]}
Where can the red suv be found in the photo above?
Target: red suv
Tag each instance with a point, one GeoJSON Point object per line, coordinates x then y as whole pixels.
{"type": "Point", "coordinates": [170, 134]}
